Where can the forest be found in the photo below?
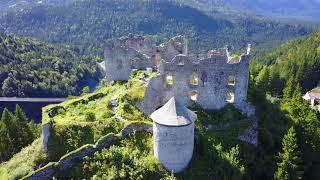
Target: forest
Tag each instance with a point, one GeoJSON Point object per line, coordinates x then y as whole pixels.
{"type": "Point", "coordinates": [289, 132]}
{"type": "Point", "coordinates": [16, 132]}
{"type": "Point", "coordinates": [297, 61]}
{"type": "Point", "coordinates": [32, 68]}
{"type": "Point", "coordinates": [88, 24]}
{"type": "Point", "coordinates": [64, 61]}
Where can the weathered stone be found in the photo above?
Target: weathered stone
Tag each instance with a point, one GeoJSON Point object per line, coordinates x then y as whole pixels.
{"type": "Point", "coordinates": [173, 135]}
{"type": "Point", "coordinates": [67, 161]}
{"type": "Point", "coordinates": [211, 82]}
{"type": "Point", "coordinates": [46, 128]}
{"type": "Point", "coordinates": [135, 127]}
{"type": "Point", "coordinates": [45, 173]}
{"type": "Point", "coordinates": [173, 146]}
{"type": "Point", "coordinates": [136, 52]}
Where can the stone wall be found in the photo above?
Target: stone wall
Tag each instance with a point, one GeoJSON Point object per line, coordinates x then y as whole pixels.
{"type": "Point", "coordinates": [46, 128]}
{"type": "Point", "coordinates": [173, 146]}
{"type": "Point", "coordinates": [67, 161]}
{"type": "Point", "coordinates": [136, 52]}
{"type": "Point", "coordinates": [210, 81]}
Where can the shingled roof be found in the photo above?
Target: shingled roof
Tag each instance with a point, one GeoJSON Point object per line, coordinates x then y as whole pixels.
{"type": "Point", "coordinates": [173, 114]}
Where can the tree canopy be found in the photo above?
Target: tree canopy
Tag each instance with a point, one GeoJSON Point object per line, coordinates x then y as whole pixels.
{"type": "Point", "coordinates": [30, 67]}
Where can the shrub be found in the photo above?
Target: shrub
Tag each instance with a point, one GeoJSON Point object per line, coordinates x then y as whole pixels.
{"type": "Point", "coordinates": [90, 116]}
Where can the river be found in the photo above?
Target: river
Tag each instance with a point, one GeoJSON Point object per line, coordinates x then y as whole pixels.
{"type": "Point", "coordinates": [33, 106]}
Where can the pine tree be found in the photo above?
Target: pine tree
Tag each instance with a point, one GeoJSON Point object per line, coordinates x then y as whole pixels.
{"type": "Point", "coordinates": [288, 91]}
{"type": "Point", "coordinates": [263, 80]}
{"type": "Point", "coordinates": [7, 143]}
{"type": "Point", "coordinates": [15, 133]}
{"type": "Point", "coordinates": [25, 135]}
{"type": "Point", "coordinates": [288, 167]}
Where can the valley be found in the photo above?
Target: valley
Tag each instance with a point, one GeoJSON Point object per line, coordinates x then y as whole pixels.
{"type": "Point", "coordinates": [170, 89]}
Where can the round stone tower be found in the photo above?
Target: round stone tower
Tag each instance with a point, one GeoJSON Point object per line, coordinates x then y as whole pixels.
{"type": "Point", "coordinates": [173, 135]}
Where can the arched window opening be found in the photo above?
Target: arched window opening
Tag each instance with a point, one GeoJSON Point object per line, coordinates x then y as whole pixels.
{"type": "Point", "coordinates": [204, 77]}
{"type": "Point", "coordinates": [181, 62]}
{"type": "Point", "coordinates": [231, 80]}
{"type": "Point", "coordinates": [194, 79]}
{"type": "Point", "coordinates": [194, 95]}
{"type": "Point", "coordinates": [230, 97]}
{"type": "Point", "coordinates": [169, 79]}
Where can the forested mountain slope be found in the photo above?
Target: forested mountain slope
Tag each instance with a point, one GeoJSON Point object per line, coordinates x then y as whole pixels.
{"type": "Point", "coordinates": [89, 23]}
{"type": "Point", "coordinates": [20, 4]}
{"type": "Point", "coordinates": [297, 61]}
{"type": "Point", "coordinates": [299, 9]}
{"type": "Point", "coordinates": [31, 68]}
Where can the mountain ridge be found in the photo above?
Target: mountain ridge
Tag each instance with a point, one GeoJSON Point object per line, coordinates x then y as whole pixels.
{"type": "Point", "coordinates": [88, 24]}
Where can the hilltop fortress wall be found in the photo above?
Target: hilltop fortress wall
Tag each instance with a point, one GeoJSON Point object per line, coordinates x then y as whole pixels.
{"type": "Point", "coordinates": [136, 52]}
{"type": "Point", "coordinates": [212, 81]}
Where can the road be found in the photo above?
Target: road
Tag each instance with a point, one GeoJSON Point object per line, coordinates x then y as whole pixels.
{"type": "Point", "coordinates": [15, 99]}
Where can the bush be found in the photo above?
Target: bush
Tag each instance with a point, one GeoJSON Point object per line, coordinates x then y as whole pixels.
{"type": "Point", "coordinates": [90, 116]}
{"type": "Point", "coordinates": [131, 159]}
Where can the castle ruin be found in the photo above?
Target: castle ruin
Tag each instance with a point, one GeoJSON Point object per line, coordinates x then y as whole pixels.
{"type": "Point", "coordinates": [137, 52]}
{"type": "Point", "coordinates": [212, 81]}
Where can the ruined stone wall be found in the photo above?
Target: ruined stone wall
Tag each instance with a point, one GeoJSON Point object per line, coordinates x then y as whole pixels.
{"type": "Point", "coordinates": [46, 128]}
{"type": "Point", "coordinates": [206, 81]}
{"type": "Point", "coordinates": [67, 161]}
{"type": "Point", "coordinates": [175, 46]}
{"type": "Point", "coordinates": [136, 52]}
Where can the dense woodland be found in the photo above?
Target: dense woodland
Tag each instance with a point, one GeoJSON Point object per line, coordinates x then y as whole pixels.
{"type": "Point", "coordinates": [88, 24]}
{"type": "Point", "coordinates": [289, 130]}
{"type": "Point", "coordinates": [16, 132]}
{"type": "Point", "coordinates": [285, 9]}
{"type": "Point", "coordinates": [290, 71]}
{"type": "Point", "coordinates": [297, 61]}
{"type": "Point", "coordinates": [31, 68]}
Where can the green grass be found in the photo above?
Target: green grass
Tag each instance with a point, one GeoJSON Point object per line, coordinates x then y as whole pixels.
{"type": "Point", "coordinates": [22, 163]}
{"type": "Point", "coordinates": [84, 120]}
{"type": "Point", "coordinates": [130, 158]}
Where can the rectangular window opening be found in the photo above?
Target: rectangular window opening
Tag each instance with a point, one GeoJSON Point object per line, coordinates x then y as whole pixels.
{"type": "Point", "coordinates": [169, 79]}
{"type": "Point", "coordinates": [194, 95]}
{"type": "Point", "coordinates": [231, 80]}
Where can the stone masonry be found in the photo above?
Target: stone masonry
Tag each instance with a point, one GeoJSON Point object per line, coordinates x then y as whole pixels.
{"type": "Point", "coordinates": [213, 80]}
{"type": "Point", "coordinates": [137, 52]}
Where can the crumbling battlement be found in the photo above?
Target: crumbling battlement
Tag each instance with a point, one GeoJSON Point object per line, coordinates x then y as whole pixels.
{"type": "Point", "coordinates": [212, 81]}
{"type": "Point", "coordinates": [136, 52]}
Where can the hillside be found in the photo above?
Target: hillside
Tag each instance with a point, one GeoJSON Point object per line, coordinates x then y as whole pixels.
{"type": "Point", "coordinates": [32, 68]}
{"type": "Point", "coordinates": [80, 124]}
{"type": "Point", "coordinates": [298, 60]}
{"type": "Point", "coordinates": [285, 9]}
{"type": "Point", "coordinates": [88, 24]}
{"type": "Point", "coordinates": [21, 4]}
{"type": "Point", "coordinates": [91, 118]}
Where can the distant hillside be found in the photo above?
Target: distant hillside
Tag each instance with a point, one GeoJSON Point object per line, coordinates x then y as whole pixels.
{"type": "Point", "coordinates": [298, 9]}
{"type": "Point", "coordinates": [5, 4]}
{"type": "Point", "coordinates": [298, 59]}
{"type": "Point", "coordinates": [30, 68]}
{"type": "Point", "coordinates": [88, 24]}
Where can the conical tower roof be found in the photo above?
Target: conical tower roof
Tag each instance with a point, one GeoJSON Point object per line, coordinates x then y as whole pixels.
{"type": "Point", "coordinates": [173, 114]}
